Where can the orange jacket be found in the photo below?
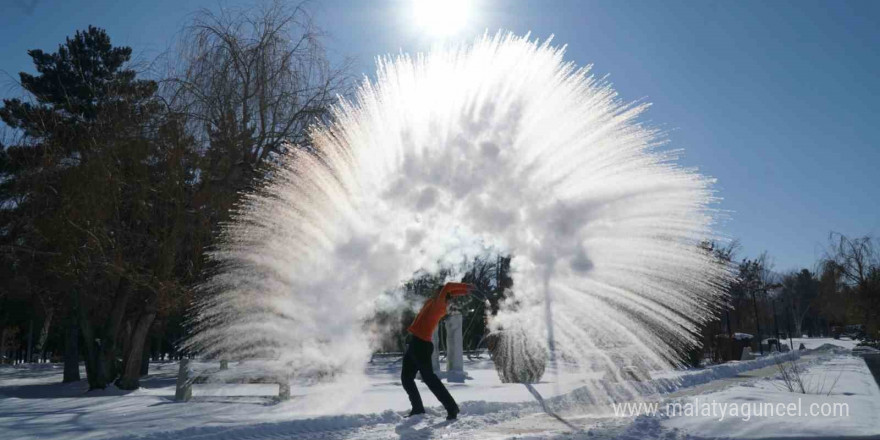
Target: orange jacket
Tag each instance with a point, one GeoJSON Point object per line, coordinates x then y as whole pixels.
{"type": "Point", "coordinates": [434, 310]}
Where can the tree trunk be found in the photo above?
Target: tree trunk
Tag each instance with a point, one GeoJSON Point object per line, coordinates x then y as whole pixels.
{"type": "Point", "coordinates": [109, 353]}
{"type": "Point", "coordinates": [145, 359]}
{"type": "Point", "coordinates": [100, 352]}
{"type": "Point", "coordinates": [71, 352]}
{"type": "Point", "coordinates": [130, 379]}
{"type": "Point", "coordinates": [30, 341]}
{"type": "Point", "coordinates": [95, 372]}
{"type": "Point", "coordinates": [3, 346]}
{"type": "Point", "coordinates": [126, 344]}
{"type": "Point", "coordinates": [729, 335]}
{"type": "Point", "coordinates": [94, 367]}
{"type": "Point", "coordinates": [40, 350]}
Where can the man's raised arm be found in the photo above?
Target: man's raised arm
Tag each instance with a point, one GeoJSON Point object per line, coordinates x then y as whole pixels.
{"type": "Point", "coordinates": [456, 289]}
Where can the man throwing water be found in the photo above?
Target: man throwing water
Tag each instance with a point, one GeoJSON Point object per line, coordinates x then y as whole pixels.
{"type": "Point", "coordinates": [417, 358]}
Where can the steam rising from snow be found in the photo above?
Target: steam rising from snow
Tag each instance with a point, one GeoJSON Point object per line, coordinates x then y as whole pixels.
{"type": "Point", "coordinates": [500, 144]}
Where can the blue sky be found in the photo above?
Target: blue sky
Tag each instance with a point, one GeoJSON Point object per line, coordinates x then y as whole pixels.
{"type": "Point", "coordinates": [777, 100]}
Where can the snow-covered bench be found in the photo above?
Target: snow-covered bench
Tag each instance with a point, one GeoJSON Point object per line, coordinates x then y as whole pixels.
{"type": "Point", "coordinates": [186, 377]}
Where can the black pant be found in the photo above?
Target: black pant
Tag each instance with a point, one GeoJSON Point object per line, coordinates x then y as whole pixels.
{"type": "Point", "coordinates": [417, 359]}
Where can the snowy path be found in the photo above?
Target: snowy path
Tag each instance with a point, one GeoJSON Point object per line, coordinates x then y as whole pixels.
{"type": "Point", "coordinates": [830, 380]}
{"type": "Point", "coordinates": [34, 406]}
{"type": "Point", "coordinates": [485, 421]}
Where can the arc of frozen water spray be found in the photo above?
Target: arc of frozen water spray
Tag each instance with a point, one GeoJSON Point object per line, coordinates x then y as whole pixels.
{"type": "Point", "coordinates": [551, 341]}
{"type": "Point", "coordinates": [499, 144]}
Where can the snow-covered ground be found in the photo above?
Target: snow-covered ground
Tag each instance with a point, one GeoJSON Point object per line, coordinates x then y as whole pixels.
{"type": "Point", "coordinates": [836, 380]}
{"type": "Point", "coordinates": [34, 405]}
{"type": "Point", "coordinates": [811, 343]}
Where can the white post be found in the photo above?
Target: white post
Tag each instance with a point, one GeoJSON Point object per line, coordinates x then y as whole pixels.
{"type": "Point", "coordinates": [435, 355]}
{"type": "Point", "coordinates": [283, 388]}
{"type": "Point", "coordinates": [454, 349]}
{"type": "Point", "coordinates": [184, 388]}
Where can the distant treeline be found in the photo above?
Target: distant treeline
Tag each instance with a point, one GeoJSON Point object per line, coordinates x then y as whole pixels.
{"type": "Point", "coordinates": [839, 296]}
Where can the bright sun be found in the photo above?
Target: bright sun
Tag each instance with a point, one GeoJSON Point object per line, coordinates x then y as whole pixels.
{"type": "Point", "coordinates": [441, 18]}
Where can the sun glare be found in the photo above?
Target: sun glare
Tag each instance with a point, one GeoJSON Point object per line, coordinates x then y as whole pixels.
{"type": "Point", "coordinates": [440, 18]}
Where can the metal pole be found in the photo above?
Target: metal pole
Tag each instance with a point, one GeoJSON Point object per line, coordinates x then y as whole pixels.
{"type": "Point", "coordinates": [788, 327]}
{"type": "Point", "coordinates": [757, 322]}
{"type": "Point", "coordinates": [775, 324]}
{"type": "Point", "coordinates": [551, 341]}
{"type": "Point", "coordinates": [729, 334]}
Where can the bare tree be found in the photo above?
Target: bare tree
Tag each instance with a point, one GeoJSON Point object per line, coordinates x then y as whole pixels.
{"type": "Point", "coordinates": [855, 263]}
{"type": "Point", "coordinates": [251, 82]}
{"type": "Point", "coordinates": [855, 258]}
